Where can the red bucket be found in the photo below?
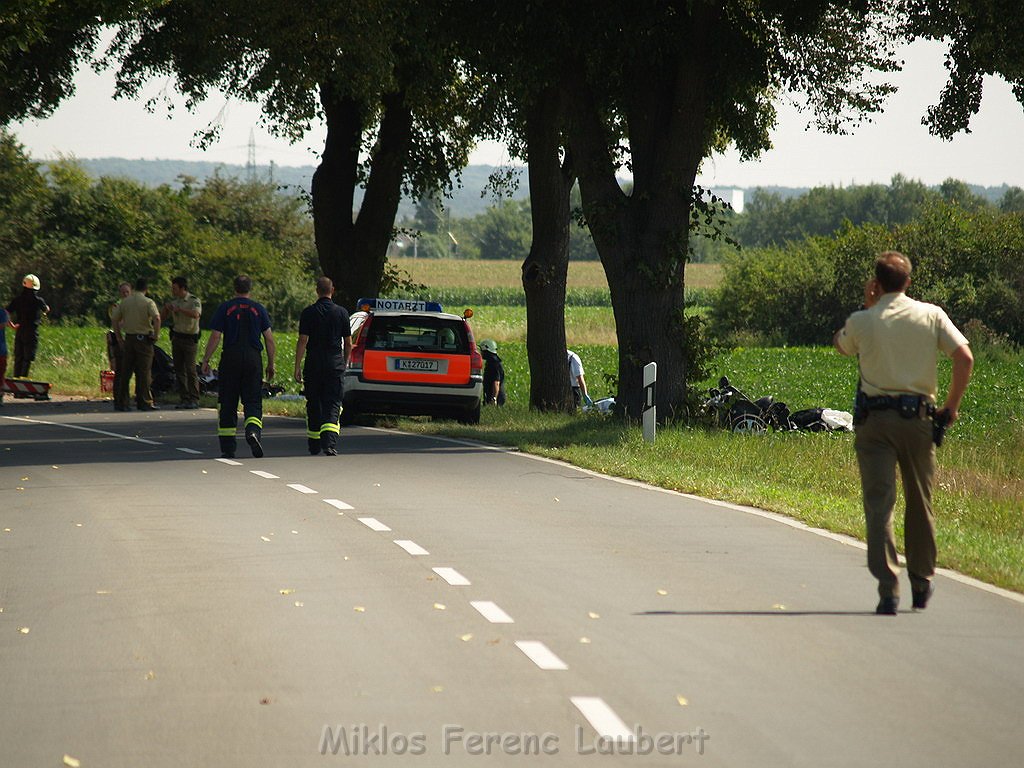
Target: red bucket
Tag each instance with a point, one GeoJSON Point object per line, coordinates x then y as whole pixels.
{"type": "Point", "coordinates": [106, 381]}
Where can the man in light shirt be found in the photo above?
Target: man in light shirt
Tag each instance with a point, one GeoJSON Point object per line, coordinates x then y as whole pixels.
{"type": "Point", "coordinates": [897, 340]}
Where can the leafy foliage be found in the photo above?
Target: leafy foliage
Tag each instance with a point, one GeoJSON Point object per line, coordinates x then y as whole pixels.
{"type": "Point", "coordinates": [967, 261]}
{"type": "Point", "coordinates": [82, 237]}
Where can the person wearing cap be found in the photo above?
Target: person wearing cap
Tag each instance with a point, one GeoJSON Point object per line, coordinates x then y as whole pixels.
{"type": "Point", "coordinates": [30, 307]}
{"type": "Point", "coordinates": [325, 341]}
{"type": "Point", "coordinates": [494, 373]}
{"type": "Point", "coordinates": [137, 325]}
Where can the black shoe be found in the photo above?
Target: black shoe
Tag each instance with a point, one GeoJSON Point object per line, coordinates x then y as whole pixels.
{"type": "Point", "coordinates": [120, 407]}
{"type": "Point", "coordinates": [254, 444]}
{"type": "Point", "coordinates": [152, 407]}
{"type": "Point", "coordinates": [314, 451]}
{"type": "Point", "coordinates": [227, 455]}
{"type": "Point", "coordinates": [330, 451]}
{"type": "Point", "coordinates": [887, 606]}
{"type": "Point", "coordinates": [921, 598]}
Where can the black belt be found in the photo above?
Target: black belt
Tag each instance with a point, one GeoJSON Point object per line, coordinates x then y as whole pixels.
{"type": "Point", "coordinates": [142, 337]}
{"type": "Point", "coordinates": [908, 406]}
{"type": "Point", "coordinates": [186, 336]}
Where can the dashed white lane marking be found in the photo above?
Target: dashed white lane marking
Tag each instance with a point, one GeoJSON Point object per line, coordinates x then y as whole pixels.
{"type": "Point", "coordinates": [411, 547]}
{"type": "Point", "coordinates": [602, 718]}
{"type": "Point", "coordinates": [266, 475]}
{"type": "Point", "coordinates": [189, 450]}
{"type": "Point", "coordinates": [338, 504]}
{"type": "Point", "coordinates": [491, 612]}
{"type": "Point", "coordinates": [453, 577]}
{"type": "Point", "coordinates": [540, 655]}
{"type": "Point", "coordinates": [84, 429]}
{"type": "Point", "coordinates": [300, 488]}
{"type": "Point", "coordinates": [232, 462]}
{"type": "Point", "coordinates": [373, 524]}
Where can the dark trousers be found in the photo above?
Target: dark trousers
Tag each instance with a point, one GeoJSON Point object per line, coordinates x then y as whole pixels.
{"type": "Point", "coordinates": [137, 360]}
{"type": "Point", "coordinates": [322, 379]}
{"type": "Point", "coordinates": [882, 442]}
{"type": "Point", "coordinates": [183, 351]}
{"type": "Point", "coordinates": [25, 346]}
{"type": "Point", "coordinates": [239, 377]}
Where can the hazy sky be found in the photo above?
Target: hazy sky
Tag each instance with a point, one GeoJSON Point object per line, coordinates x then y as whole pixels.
{"type": "Point", "coordinates": [93, 125]}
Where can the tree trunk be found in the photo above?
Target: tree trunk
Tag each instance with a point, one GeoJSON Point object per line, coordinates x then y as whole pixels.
{"type": "Point", "coordinates": [642, 238]}
{"type": "Point", "coordinates": [353, 251]}
{"type": "Point", "coordinates": [545, 269]}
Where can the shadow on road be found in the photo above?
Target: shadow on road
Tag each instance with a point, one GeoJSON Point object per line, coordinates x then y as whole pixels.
{"type": "Point", "coordinates": [773, 614]}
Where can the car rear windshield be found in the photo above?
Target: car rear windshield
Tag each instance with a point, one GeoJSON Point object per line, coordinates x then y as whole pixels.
{"type": "Point", "coordinates": [418, 334]}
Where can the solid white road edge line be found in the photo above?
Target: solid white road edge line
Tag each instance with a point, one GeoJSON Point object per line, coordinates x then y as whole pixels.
{"type": "Point", "coordinates": [83, 429]}
{"type": "Point", "coordinates": [300, 488]}
{"type": "Point", "coordinates": [541, 655]}
{"type": "Point", "coordinates": [265, 475]}
{"type": "Point", "coordinates": [411, 547]}
{"type": "Point", "coordinates": [849, 541]}
{"type": "Point", "coordinates": [602, 718]}
{"type": "Point", "coordinates": [453, 577]}
{"type": "Point", "coordinates": [373, 524]}
{"type": "Point", "coordinates": [338, 504]}
{"type": "Point", "coordinates": [491, 612]}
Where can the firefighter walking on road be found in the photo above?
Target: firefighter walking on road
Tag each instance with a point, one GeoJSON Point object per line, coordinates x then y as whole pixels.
{"type": "Point", "coordinates": [325, 340]}
{"type": "Point", "coordinates": [245, 326]}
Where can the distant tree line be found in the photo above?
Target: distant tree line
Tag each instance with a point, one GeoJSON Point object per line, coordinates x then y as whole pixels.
{"type": "Point", "coordinates": [769, 218]}
{"type": "Point", "coordinates": [84, 236]}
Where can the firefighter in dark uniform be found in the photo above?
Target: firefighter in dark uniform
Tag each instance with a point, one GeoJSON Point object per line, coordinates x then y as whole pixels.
{"type": "Point", "coordinates": [325, 340]}
{"type": "Point", "coordinates": [242, 323]}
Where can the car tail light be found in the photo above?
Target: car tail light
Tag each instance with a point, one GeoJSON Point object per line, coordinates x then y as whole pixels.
{"type": "Point", "coordinates": [355, 358]}
{"type": "Point", "coordinates": [476, 360]}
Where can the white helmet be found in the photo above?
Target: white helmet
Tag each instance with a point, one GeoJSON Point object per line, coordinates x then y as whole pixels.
{"type": "Point", "coordinates": [31, 281]}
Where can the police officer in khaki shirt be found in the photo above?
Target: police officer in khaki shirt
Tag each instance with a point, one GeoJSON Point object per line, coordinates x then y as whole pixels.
{"type": "Point", "coordinates": [897, 340]}
{"type": "Point", "coordinates": [137, 325]}
{"type": "Point", "coordinates": [184, 311]}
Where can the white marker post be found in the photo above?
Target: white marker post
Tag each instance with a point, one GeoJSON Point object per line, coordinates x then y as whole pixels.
{"type": "Point", "coordinates": [650, 412]}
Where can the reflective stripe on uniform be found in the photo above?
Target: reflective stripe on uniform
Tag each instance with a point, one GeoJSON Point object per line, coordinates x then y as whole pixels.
{"type": "Point", "coordinates": [330, 428]}
{"type": "Point", "coordinates": [312, 435]}
{"type": "Point", "coordinates": [252, 421]}
{"type": "Point", "coordinates": [225, 431]}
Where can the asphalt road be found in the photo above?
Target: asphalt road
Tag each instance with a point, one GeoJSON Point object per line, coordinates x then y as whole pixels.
{"type": "Point", "coordinates": [421, 601]}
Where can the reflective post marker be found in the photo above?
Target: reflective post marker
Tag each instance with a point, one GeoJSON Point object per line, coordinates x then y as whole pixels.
{"type": "Point", "coordinates": [650, 409]}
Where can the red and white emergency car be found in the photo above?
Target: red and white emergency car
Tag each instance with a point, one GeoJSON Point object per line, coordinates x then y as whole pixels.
{"type": "Point", "coordinates": [412, 358]}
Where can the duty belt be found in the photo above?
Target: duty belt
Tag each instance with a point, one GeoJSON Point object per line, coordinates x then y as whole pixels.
{"type": "Point", "coordinates": [908, 406]}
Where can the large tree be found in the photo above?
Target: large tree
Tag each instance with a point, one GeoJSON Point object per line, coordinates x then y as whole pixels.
{"type": "Point", "coordinates": [514, 45]}
{"type": "Point", "coordinates": [42, 45]}
{"type": "Point", "coordinates": [983, 39]}
{"type": "Point", "coordinates": [655, 88]}
{"type": "Point", "coordinates": [380, 73]}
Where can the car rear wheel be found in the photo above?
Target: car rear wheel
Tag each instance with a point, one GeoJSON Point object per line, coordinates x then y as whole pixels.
{"type": "Point", "coordinates": [471, 416]}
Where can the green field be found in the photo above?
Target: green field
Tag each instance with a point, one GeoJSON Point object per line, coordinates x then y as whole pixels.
{"type": "Point", "coordinates": [490, 273]}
